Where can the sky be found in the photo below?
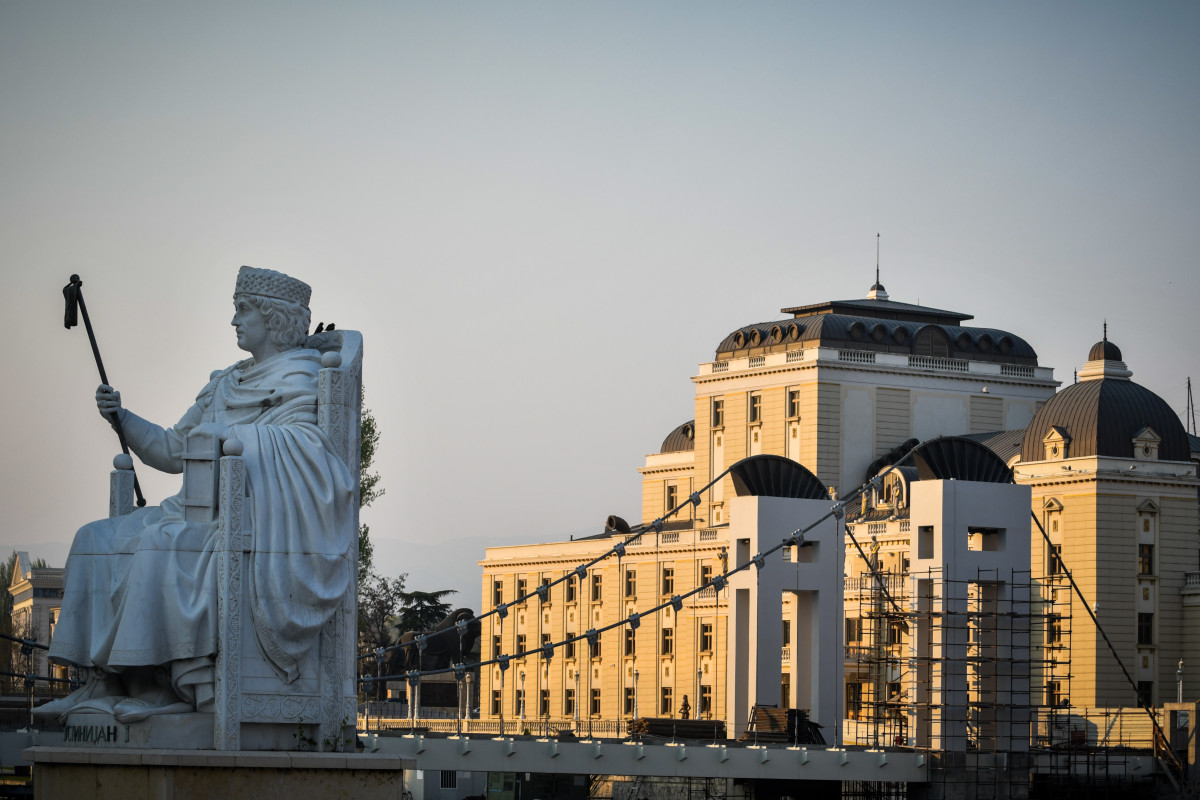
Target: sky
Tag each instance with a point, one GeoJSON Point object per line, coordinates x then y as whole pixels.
{"type": "Point", "coordinates": [544, 216]}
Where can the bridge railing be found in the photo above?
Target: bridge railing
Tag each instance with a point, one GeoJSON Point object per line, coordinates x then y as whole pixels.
{"type": "Point", "coordinates": [541, 726]}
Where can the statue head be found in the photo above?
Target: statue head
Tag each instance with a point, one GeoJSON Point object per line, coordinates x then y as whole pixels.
{"type": "Point", "coordinates": [281, 299]}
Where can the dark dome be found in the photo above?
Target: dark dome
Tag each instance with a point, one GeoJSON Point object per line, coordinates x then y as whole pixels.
{"type": "Point", "coordinates": [1104, 351]}
{"type": "Point", "coordinates": [1102, 417]}
{"type": "Point", "coordinates": [680, 440]}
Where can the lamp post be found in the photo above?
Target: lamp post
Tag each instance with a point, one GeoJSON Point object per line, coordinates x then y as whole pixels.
{"type": "Point", "coordinates": [522, 695]}
{"type": "Point", "coordinates": [1179, 683]}
{"type": "Point", "coordinates": [635, 681]}
{"type": "Point", "coordinates": [696, 696]}
{"type": "Point", "coordinates": [578, 699]}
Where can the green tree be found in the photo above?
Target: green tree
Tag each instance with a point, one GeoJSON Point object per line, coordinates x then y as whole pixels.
{"type": "Point", "coordinates": [368, 489]}
{"type": "Point", "coordinates": [421, 611]}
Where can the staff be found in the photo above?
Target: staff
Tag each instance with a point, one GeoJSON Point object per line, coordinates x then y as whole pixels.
{"type": "Point", "coordinates": [73, 292]}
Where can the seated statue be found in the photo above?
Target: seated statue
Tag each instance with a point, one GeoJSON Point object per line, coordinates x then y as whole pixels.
{"type": "Point", "coordinates": [139, 609]}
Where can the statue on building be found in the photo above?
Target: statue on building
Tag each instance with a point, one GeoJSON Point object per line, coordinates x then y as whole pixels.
{"type": "Point", "coordinates": [140, 606]}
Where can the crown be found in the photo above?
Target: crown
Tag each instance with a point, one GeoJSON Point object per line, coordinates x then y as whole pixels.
{"type": "Point", "coordinates": [269, 283]}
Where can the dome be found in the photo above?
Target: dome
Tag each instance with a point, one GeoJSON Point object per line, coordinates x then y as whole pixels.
{"type": "Point", "coordinates": [681, 440]}
{"type": "Point", "coordinates": [1102, 417]}
{"type": "Point", "coordinates": [1104, 351]}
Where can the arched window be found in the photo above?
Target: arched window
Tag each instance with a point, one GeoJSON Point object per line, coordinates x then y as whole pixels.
{"type": "Point", "coordinates": [931, 342]}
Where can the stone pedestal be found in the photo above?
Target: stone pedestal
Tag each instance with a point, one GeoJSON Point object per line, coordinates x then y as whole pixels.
{"type": "Point", "coordinates": [101, 772]}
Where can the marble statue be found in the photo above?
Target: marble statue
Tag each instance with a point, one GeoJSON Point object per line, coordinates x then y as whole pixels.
{"type": "Point", "coordinates": [140, 607]}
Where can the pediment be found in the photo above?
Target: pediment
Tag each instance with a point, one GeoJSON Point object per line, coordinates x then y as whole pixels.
{"type": "Point", "coordinates": [1147, 435]}
{"type": "Point", "coordinates": [1052, 504]}
{"type": "Point", "coordinates": [1148, 507]}
{"type": "Point", "coordinates": [1056, 434]}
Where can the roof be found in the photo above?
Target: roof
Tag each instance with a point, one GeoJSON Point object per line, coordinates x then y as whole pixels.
{"type": "Point", "coordinates": [1005, 444]}
{"type": "Point", "coordinates": [1194, 441]}
{"type": "Point", "coordinates": [1104, 350]}
{"type": "Point", "coordinates": [885, 309]}
{"type": "Point", "coordinates": [1102, 417]}
{"type": "Point", "coordinates": [680, 440]}
{"type": "Point", "coordinates": [879, 334]}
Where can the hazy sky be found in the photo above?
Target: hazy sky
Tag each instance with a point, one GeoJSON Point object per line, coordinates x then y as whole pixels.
{"type": "Point", "coordinates": [543, 216]}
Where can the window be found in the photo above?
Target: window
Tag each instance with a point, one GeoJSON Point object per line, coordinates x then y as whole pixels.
{"type": "Point", "coordinates": [570, 590]}
{"type": "Point", "coordinates": [495, 646]}
{"type": "Point", "coordinates": [545, 639]}
{"type": "Point", "coordinates": [793, 403]}
{"type": "Point", "coordinates": [668, 580]}
{"type": "Point", "coordinates": [1054, 565]}
{"type": "Point", "coordinates": [597, 587]}
{"type": "Point", "coordinates": [755, 409]}
{"type": "Point", "coordinates": [630, 642]}
{"type": "Point", "coordinates": [1145, 559]}
{"type": "Point", "coordinates": [495, 702]}
{"type": "Point", "coordinates": [666, 704]}
{"type": "Point", "coordinates": [630, 583]}
{"type": "Point", "coordinates": [595, 702]}
{"type": "Point", "coordinates": [1146, 692]}
{"type": "Point", "coordinates": [449, 779]}
{"type": "Point", "coordinates": [930, 342]}
{"type": "Point", "coordinates": [705, 701]}
{"type": "Point", "coordinates": [854, 630]}
{"type": "Point", "coordinates": [672, 497]}
{"type": "Point", "coordinates": [1054, 694]}
{"type": "Point", "coordinates": [568, 702]}
{"type": "Point", "coordinates": [853, 699]}
{"type": "Point", "coordinates": [1054, 629]}
{"type": "Point", "coordinates": [895, 632]}
{"type": "Point", "coordinates": [497, 593]}
{"type": "Point", "coordinates": [544, 703]}
{"type": "Point", "coordinates": [569, 647]}
{"type": "Point", "coordinates": [627, 705]}
{"type": "Point", "coordinates": [520, 644]}
{"type": "Point", "coordinates": [787, 633]}
{"type": "Point", "coordinates": [706, 637]}
{"type": "Point", "coordinates": [1145, 629]}
{"type": "Point", "coordinates": [522, 587]}
{"type": "Point", "coordinates": [519, 702]}
{"type": "Point", "coordinates": [706, 573]}
{"type": "Point", "coordinates": [594, 647]}
{"type": "Point", "coordinates": [668, 641]}
{"type": "Point", "coordinates": [718, 413]}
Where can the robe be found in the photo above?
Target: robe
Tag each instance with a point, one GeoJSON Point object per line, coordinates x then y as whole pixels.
{"type": "Point", "coordinates": [142, 589]}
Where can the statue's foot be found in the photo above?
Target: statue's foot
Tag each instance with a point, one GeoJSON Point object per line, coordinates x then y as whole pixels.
{"type": "Point", "coordinates": [98, 694]}
{"type": "Point", "coordinates": [157, 701]}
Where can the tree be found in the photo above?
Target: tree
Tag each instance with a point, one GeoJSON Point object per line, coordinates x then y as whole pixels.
{"type": "Point", "coordinates": [421, 611]}
{"type": "Point", "coordinates": [378, 604]}
{"type": "Point", "coordinates": [368, 489]}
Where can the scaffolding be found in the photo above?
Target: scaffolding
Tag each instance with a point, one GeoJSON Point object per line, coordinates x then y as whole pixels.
{"type": "Point", "coordinates": [975, 671]}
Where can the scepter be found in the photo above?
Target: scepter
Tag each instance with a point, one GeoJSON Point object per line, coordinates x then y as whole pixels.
{"type": "Point", "coordinates": [73, 292]}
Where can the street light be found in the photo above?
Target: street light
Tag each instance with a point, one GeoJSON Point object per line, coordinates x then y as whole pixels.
{"type": "Point", "coordinates": [635, 680]}
{"type": "Point", "coordinates": [522, 694]}
{"type": "Point", "coordinates": [1179, 682]}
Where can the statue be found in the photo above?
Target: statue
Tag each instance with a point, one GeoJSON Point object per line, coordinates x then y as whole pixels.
{"type": "Point", "coordinates": [140, 603]}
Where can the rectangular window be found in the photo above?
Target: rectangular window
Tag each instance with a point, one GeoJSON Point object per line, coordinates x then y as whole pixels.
{"type": "Point", "coordinates": [1145, 629]}
{"type": "Point", "coordinates": [793, 403]}
{"type": "Point", "coordinates": [1054, 632]}
{"type": "Point", "coordinates": [597, 587]}
{"type": "Point", "coordinates": [594, 647]}
{"type": "Point", "coordinates": [895, 632]}
{"type": "Point", "coordinates": [627, 705]}
{"type": "Point", "coordinates": [569, 648]}
{"type": "Point", "coordinates": [668, 641]}
{"type": "Point", "coordinates": [1145, 559]}
{"type": "Point", "coordinates": [706, 573]}
{"type": "Point", "coordinates": [718, 413]}
{"type": "Point", "coordinates": [630, 642]}
{"type": "Point", "coordinates": [672, 497]}
{"type": "Point", "coordinates": [520, 644]}
{"type": "Point", "coordinates": [570, 590]}
{"type": "Point", "coordinates": [495, 702]}
{"type": "Point", "coordinates": [495, 646]}
{"type": "Point", "coordinates": [666, 704]}
{"type": "Point", "coordinates": [854, 630]}
{"type": "Point", "coordinates": [544, 703]}
{"type": "Point", "coordinates": [1054, 560]}
{"type": "Point", "coordinates": [1146, 692]}
{"type": "Point", "coordinates": [630, 583]}
{"type": "Point", "coordinates": [568, 702]}
{"type": "Point", "coordinates": [668, 580]}
{"type": "Point", "coordinates": [853, 699]}
{"type": "Point", "coordinates": [706, 637]}
{"type": "Point", "coordinates": [1054, 694]}
{"type": "Point", "coordinates": [706, 701]}
{"type": "Point", "coordinates": [546, 584]}
{"type": "Point", "coordinates": [522, 587]}
{"type": "Point", "coordinates": [755, 409]}
{"type": "Point", "coordinates": [449, 779]}
{"type": "Point", "coordinates": [519, 702]}
{"type": "Point", "coordinates": [787, 633]}
{"type": "Point", "coordinates": [595, 702]}
{"type": "Point", "coordinates": [497, 593]}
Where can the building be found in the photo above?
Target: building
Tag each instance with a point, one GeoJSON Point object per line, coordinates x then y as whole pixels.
{"type": "Point", "coordinates": [37, 597]}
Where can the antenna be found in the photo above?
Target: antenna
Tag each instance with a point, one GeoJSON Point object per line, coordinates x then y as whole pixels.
{"type": "Point", "coordinates": [1106, 330]}
{"type": "Point", "coordinates": [877, 259]}
{"type": "Point", "coordinates": [1191, 408]}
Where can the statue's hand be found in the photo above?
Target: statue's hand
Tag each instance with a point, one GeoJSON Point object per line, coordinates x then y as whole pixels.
{"type": "Point", "coordinates": [108, 401]}
{"type": "Point", "coordinates": [214, 429]}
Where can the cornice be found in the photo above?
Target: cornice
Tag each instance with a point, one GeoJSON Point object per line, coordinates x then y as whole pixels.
{"type": "Point", "coordinates": [876, 369]}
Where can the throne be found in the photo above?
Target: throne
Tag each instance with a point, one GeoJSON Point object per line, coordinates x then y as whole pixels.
{"type": "Point", "coordinates": [254, 708]}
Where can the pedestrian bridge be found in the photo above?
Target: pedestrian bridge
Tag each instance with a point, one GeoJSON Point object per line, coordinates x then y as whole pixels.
{"type": "Point", "coordinates": [726, 759]}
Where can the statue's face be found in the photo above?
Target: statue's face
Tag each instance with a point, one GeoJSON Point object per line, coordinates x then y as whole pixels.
{"type": "Point", "coordinates": [250, 324]}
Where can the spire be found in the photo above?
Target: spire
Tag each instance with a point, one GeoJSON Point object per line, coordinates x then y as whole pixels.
{"type": "Point", "coordinates": [1106, 330]}
{"type": "Point", "coordinates": [877, 291]}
